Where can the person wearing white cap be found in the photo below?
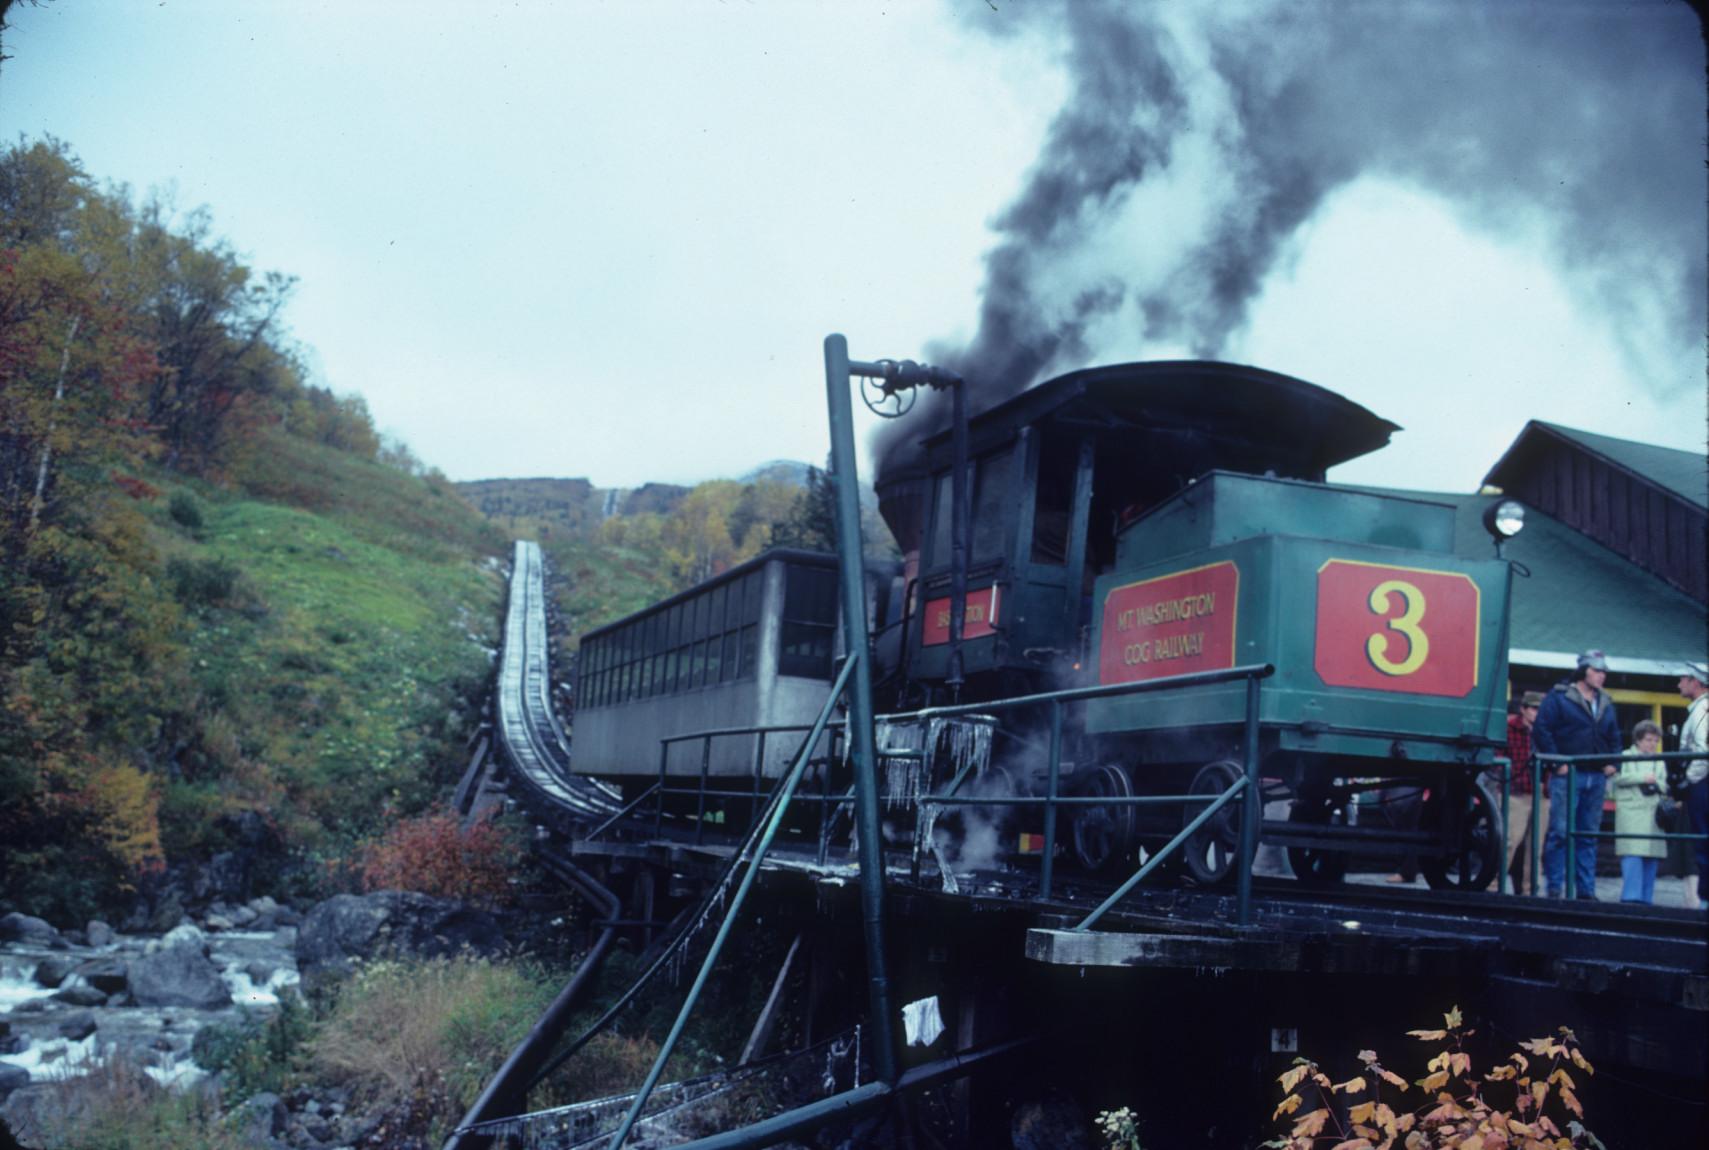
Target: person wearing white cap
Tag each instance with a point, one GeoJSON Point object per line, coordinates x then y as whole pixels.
{"type": "Point", "coordinates": [1576, 718]}
{"type": "Point", "coordinates": [1694, 736]}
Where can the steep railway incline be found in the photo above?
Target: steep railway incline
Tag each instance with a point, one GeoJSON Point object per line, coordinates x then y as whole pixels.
{"type": "Point", "coordinates": [532, 744]}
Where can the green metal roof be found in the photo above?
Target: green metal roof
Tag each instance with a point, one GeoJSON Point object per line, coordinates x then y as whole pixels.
{"type": "Point", "coordinates": [1685, 473]}
{"type": "Point", "coordinates": [1580, 595]}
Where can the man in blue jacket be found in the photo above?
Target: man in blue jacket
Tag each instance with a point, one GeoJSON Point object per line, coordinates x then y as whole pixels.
{"type": "Point", "coordinates": [1577, 718]}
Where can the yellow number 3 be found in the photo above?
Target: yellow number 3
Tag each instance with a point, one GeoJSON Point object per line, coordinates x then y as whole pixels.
{"type": "Point", "coordinates": [1418, 643]}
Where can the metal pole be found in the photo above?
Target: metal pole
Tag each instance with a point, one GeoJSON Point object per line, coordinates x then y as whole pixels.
{"type": "Point", "coordinates": [1572, 821]}
{"type": "Point", "coordinates": [759, 769]}
{"type": "Point", "coordinates": [1539, 797]}
{"type": "Point", "coordinates": [659, 811]}
{"type": "Point", "coordinates": [1047, 864]}
{"type": "Point", "coordinates": [862, 748]}
{"type": "Point", "coordinates": [1506, 790]}
{"type": "Point", "coordinates": [700, 811]}
{"type": "Point", "coordinates": [1251, 809]}
{"type": "Point", "coordinates": [959, 516]}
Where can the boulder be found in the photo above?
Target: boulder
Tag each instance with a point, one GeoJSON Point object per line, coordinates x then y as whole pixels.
{"type": "Point", "coordinates": [261, 1118]}
{"type": "Point", "coordinates": [54, 969]}
{"type": "Point", "coordinates": [184, 932]}
{"type": "Point", "coordinates": [218, 922]}
{"type": "Point", "coordinates": [17, 927]}
{"type": "Point", "coordinates": [79, 993]}
{"type": "Point", "coordinates": [228, 875]}
{"type": "Point", "coordinates": [108, 974]}
{"type": "Point", "coordinates": [349, 927]}
{"type": "Point", "coordinates": [259, 972]}
{"type": "Point", "coordinates": [99, 933]}
{"type": "Point", "coordinates": [31, 1111]}
{"type": "Point", "coordinates": [77, 1026]}
{"type": "Point", "coordinates": [178, 975]}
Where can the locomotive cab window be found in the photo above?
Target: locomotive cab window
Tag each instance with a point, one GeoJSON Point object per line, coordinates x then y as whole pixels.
{"type": "Point", "coordinates": [986, 534]}
{"type": "Point", "coordinates": [1053, 507]}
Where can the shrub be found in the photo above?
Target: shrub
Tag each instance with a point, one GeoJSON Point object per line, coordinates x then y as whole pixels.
{"type": "Point", "coordinates": [203, 582]}
{"type": "Point", "coordinates": [186, 511]}
{"type": "Point", "coordinates": [435, 855]}
{"type": "Point", "coordinates": [256, 1057]}
{"type": "Point", "coordinates": [422, 1038]}
{"type": "Point", "coordinates": [1456, 1112]}
{"type": "Point", "coordinates": [117, 1106]}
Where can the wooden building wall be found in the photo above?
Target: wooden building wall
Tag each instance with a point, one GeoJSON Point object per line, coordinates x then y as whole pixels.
{"type": "Point", "coordinates": [1654, 528]}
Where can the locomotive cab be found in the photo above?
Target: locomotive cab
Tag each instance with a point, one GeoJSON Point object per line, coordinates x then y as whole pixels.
{"type": "Point", "coordinates": [1055, 473]}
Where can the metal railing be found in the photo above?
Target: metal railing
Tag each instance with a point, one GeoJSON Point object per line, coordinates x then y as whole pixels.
{"type": "Point", "coordinates": [755, 795]}
{"type": "Point", "coordinates": [1052, 800]}
{"type": "Point", "coordinates": [1571, 835]}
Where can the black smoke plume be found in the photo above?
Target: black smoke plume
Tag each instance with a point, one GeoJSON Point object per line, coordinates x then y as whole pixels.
{"type": "Point", "coordinates": [1579, 123]}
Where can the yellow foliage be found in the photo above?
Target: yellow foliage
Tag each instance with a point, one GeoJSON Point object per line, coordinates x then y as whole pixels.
{"type": "Point", "coordinates": [129, 813]}
{"type": "Point", "coordinates": [1310, 1125]}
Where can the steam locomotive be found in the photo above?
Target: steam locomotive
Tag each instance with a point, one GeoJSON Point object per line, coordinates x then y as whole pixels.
{"type": "Point", "coordinates": [1128, 523]}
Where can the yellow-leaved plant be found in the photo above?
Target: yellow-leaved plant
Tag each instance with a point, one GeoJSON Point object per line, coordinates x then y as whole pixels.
{"type": "Point", "coordinates": [1520, 1104]}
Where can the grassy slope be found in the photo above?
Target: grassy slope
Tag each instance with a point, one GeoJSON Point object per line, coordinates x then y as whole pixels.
{"type": "Point", "coordinates": [347, 663]}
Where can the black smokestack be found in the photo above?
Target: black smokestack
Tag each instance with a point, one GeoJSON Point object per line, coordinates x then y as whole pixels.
{"type": "Point", "coordinates": [1563, 123]}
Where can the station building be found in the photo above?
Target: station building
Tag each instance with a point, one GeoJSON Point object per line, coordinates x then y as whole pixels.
{"type": "Point", "coordinates": [1612, 557]}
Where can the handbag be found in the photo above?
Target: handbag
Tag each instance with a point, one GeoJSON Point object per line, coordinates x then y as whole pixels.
{"type": "Point", "coordinates": [1667, 810]}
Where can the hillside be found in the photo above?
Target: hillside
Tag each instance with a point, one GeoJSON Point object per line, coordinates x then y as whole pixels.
{"type": "Point", "coordinates": [230, 617]}
{"type": "Point", "coordinates": [573, 507]}
{"type": "Point", "coordinates": [613, 551]}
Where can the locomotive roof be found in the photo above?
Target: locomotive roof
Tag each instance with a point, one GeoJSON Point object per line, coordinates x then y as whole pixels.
{"type": "Point", "coordinates": [1233, 416]}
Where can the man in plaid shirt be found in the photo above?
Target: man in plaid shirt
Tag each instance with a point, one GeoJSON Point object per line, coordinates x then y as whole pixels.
{"type": "Point", "coordinates": [1519, 800]}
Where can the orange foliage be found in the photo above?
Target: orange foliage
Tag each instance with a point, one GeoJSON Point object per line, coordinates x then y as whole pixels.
{"type": "Point", "coordinates": [435, 855]}
{"type": "Point", "coordinates": [1454, 1111]}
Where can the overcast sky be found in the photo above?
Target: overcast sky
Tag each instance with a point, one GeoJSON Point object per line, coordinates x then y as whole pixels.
{"type": "Point", "coordinates": [607, 240]}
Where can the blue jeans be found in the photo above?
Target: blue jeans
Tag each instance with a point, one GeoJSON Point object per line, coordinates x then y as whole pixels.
{"type": "Point", "coordinates": [1637, 878]}
{"type": "Point", "coordinates": [1587, 819]}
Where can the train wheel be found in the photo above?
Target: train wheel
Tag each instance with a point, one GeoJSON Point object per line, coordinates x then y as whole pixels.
{"type": "Point", "coordinates": [1314, 866]}
{"type": "Point", "coordinates": [1103, 835]}
{"type": "Point", "coordinates": [1474, 865]}
{"type": "Point", "coordinates": [1211, 850]}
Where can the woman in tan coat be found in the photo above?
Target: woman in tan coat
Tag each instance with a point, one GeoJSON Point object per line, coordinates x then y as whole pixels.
{"type": "Point", "coordinates": [1638, 789]}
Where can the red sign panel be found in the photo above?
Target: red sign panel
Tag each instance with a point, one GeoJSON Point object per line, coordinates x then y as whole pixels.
{"type": "Point", "coordinates": [977, 621]}
{"type": "Point", "coordinates": [1397, 628]}
{"type": "Point", "coordinates": [1170, 625]}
